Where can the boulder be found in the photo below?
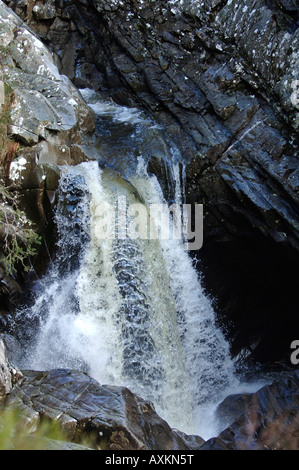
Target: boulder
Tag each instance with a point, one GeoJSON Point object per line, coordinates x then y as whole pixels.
{"type": "Point", "coordinates": [55, 444]}
{"type": "Point", "coordinates": [110, 417]}
{"type": "Point", "coordinates": [46, 108]}
{"type": "Point", "coordinates": [265, 420]}
{"type": "Point", "coordinates": [9, 375]}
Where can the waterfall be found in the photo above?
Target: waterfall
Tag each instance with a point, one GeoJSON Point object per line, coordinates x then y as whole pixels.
{"type": "Point", "coordinates": [128, 311]}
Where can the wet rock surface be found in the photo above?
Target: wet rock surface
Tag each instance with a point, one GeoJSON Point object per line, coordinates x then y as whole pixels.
{"type": "Point", "coordinates": [47, 113]}
{"type": "Point", "coordinates": [9, 375]}
{"type": "Point", "coordinates": [265, 420]}
{"type": "Point", "coordinates": [113, 418]}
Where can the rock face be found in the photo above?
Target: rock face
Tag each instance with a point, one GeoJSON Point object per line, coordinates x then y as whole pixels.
{"type": "Point", "coordinates": [221, 75]}
{"type": "Point", "coordinates": [223, 78]}
{"type": "Point", "coordinates": [265, 420]}
{"type": "Point", "coordinates": [46, 109]}
{"type": "Point", "coordinates": [9, 375]}
{"type": "Point", "coordinates": [113, 418]}
{"type": "Point", "coordinates": [48, 116]}
{"type": "Point", "coordinates": [50, 125]}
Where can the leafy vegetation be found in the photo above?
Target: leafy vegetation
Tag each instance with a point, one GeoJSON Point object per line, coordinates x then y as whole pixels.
{"type": "Point", "coordinates": [15, 435]}
{"type": "Point", "coordinates": [18, 239]}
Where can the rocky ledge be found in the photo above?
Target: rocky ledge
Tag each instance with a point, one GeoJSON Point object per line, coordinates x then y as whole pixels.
{"type": "Point", "coordinates": [46, 107]}
{"type": "Point", "coordinates": [112, 418]}
{"type": "Point", "coordinates": [265, 420]}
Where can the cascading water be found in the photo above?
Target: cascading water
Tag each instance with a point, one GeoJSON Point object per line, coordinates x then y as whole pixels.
{"type": "Point", "coordinates": [128, 311]}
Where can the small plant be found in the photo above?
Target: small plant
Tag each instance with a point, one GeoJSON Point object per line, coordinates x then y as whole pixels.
{"type": "Point", "coordinates": [18, 237]}
{"type": "Point", "coordinates": [15, 434]}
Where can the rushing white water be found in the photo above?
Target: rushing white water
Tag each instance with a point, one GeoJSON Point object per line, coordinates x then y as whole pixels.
{"type": "Point", "coordinates": [129, 311]}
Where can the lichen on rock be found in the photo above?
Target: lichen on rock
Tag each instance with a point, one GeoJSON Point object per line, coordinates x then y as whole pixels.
{"type": "Point", "coordinates": [9, 375]}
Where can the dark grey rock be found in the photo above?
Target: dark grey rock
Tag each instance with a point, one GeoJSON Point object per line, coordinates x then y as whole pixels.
{"type": "Point", "coordinates": [46, 105]}
{"type": "Point", "coordinates": [192, 442]}
{"type": "Point", "coordinates": [265, 420]}
{"type": "Point", "coordinates": [111, 417]}
{"type": "Point", "coordinates": [9, 375]}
